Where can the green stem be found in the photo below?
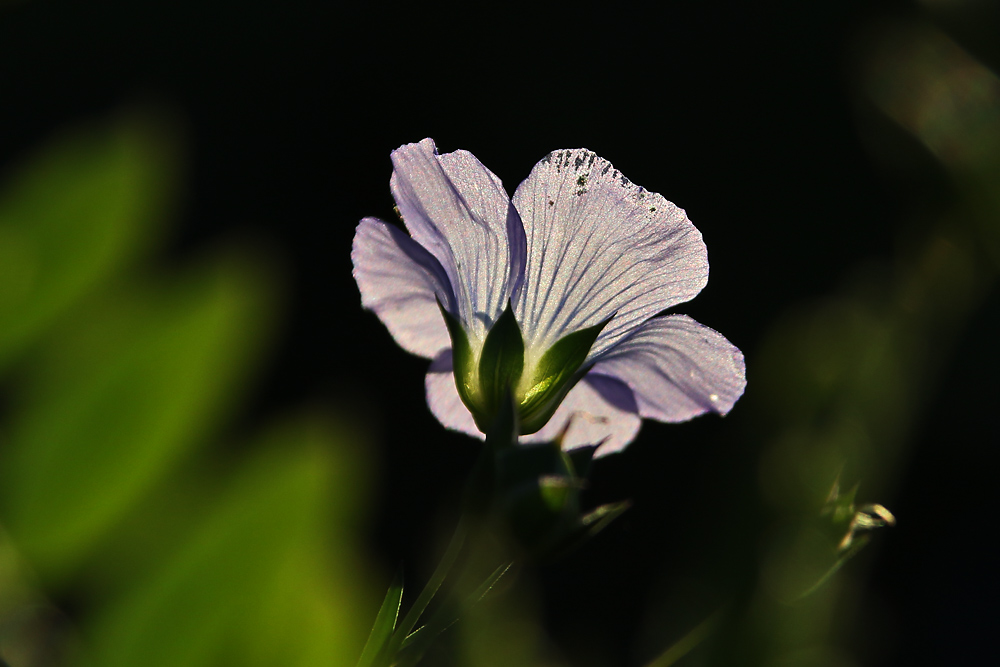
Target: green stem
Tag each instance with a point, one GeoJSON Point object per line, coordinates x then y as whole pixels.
{"type": "Point", "coordinates": [426, 595]}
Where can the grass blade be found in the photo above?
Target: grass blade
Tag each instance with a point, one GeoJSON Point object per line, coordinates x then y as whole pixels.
{"type": "Point", "coordinates": [385, 623]}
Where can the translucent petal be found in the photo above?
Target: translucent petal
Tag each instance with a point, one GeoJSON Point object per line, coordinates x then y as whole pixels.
{"type": "Point", "coordinates": [398, 280]}
{"type": "Point", "coordinates": [443, 398]}
{"type": "Point", "coordinates": [458, 210]}
{"type": "Point", "coordinates": [485, 195]}
{"type": "Point", "coordinates": [677, 369]}
{"type": "Point", "coordinates": [599, 409]}
{"type": "Point", "coordinates": [599, 245]}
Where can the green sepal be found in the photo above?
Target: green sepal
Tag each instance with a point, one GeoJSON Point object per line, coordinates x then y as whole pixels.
{"type": "Point", "coordinates": [500, 366]}
{"type": "Point", "coordinates": [385, 623]}
{"type": "Point", "coordinates": [557, 372]}
{"type": "Point", "coordinates": [582, 458]}
{"type": "Point", "coordinates": [461, 360]}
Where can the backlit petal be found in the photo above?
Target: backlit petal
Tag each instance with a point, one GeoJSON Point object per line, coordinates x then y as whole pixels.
{"type": "Point", "coordinates": [599, 410]}
{"type": "Point", "coordinates": [598, 246]}
{"type": "Point", "coordinates": [399, 280]}
{"type": "Point", "coordinates": [458, 210]}
{"type": "Point", "coordinates": [677, 369]}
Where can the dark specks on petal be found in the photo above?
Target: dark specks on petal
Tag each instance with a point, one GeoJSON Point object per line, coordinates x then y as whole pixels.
{"type": "Point", "coordinates": [596, 249]}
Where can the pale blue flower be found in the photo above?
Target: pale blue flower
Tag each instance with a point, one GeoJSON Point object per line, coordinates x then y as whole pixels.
{"type": "Point", "coordinates": [577, 246]}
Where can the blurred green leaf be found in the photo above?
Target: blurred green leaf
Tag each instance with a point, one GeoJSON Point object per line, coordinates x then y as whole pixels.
{"type": "Point", "coordinates": [73, 215]}
{"type": "Point", "coordinates": [119, 376]}
{"type": "Point", "coordinates": [269, 576]}
{"type": "Point", "coordinates": [117, 397]}
{"type": "Point", "coordinates": [938, 91]}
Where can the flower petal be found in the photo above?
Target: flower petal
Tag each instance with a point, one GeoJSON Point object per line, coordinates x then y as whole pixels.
{"type": "Point", "coordinates": [443, 399]}
{"type": "Point", "coordinates": [399, 280]}
{"type": "Point", "coordinates": [485, 195]}
{"type": "Point", "coordinates": [458, 210]}
{"type": "Point", "coordinates": [598, 246]}
{"type": "Point", "coordinates": [677, 368]}
{"type": "Point", "coordinates": [599, 410]}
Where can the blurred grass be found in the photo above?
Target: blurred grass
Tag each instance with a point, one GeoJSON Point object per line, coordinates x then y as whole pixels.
{"type": "Point", "coordinates": [119, 375]}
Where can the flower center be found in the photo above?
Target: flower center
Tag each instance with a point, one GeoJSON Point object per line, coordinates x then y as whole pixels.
{"type": "Point", "coordinates": [497, 373]}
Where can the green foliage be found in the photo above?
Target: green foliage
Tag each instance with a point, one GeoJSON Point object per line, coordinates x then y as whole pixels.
{"type": "Point", "coordinates": [118, 379]}
{"type": "Point", "coordinates": [251, 584]}
{"type": "Point", "coordinates": [114, 401]}
{"type": "Point", "coordinates": [83, 209]}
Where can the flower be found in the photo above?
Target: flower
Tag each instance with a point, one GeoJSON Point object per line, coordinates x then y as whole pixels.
{"type": "Point", "coordinates": [554, 295]}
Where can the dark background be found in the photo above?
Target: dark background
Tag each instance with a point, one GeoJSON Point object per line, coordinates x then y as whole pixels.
{"type": "Point", "coordinates": [743, 115]}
